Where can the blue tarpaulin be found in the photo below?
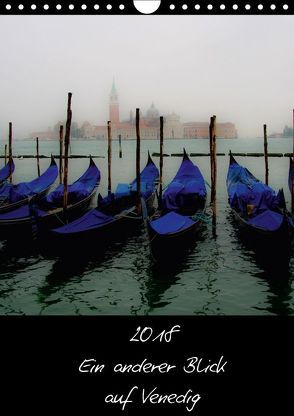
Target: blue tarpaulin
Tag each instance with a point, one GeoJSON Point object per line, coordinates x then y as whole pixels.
{"type": "Point", "coordinates": [267, 219]}
{"type": "Point", "coordinates": [21, 212]}
{"type": "Point", "coordinates": [80, 189]}
{"type": "Point", "coordinates": [256, 202]}
{"type": "Point", "coordinates": [244, 189]}
{"type": "Point", "coordinates": [149, 178]}
{"type": "Point", "coordinates": [187, 187]}
{"type": "Point", "coordinates": [6, 170]}
{"type": "Point", "coordinates": [14, 193]}
{"type": "Point", "coordinates": [96, 218]}
{"type": "Point", "coordinates": [77, 191]}
{"type": "Point", "coordinates": [291, 174]}
{"type": "Point", "coordinates": [171, 223]}
{"type": "Point", "coordinates": [92, 219]}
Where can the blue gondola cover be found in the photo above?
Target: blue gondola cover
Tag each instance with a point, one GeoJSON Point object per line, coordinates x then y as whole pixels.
{"type": "Point", "coordinates": [171, 223]}
{"type": "Point", "coordinates": [92, 219]}
{"type": "Point", "coordinates": [14, 193]}
{"type": "Point", "coordinates": [186, 193]}
{"type": "Point", "coordinates": [5, 171]}
{"type": "Point", "coordinates": [291, 174]}
{"type": "Point", "coordinates": [268, 219]}
{"type": "Point", "coordinates": [187, 186]}
{"type": "Point", "coordinates": [255, 202]}
{"type": "Point", "coordinates": [95, 219]}
{"type": "Point", "coordinates": [77, 191]}
{"type": "Point", "coordinates": [244, 189]}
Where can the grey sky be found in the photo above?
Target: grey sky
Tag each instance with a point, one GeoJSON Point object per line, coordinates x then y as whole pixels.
{"type": "Point", "coordinates": [239, 68]}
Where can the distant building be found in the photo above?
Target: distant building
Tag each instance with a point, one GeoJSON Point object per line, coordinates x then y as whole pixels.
{"type": "Point", "coordinates": [45, 135]}
{"type": "Point", "coordinates": [200, 130]}
{"type": "Point", "coordinates": [149, 126]}
{"type": "Point", "coordinates": [113, 105]}
{"type": "Point", "coordinates": [172, 127]}
{"type": "Point", "coordinates": [276, 136]}
{"type": "Point", "coordinates": [288, 132]}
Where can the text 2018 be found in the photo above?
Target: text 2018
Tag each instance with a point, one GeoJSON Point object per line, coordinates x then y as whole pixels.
{"type": "Point", "coordinates": [147, 334]}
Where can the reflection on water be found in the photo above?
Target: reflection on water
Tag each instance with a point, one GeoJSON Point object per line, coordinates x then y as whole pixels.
{"type": "Point", "coordinates": [219, 274]}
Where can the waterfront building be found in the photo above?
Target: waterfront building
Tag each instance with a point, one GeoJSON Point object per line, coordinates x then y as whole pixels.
{"type": "Point", "coordinates": [200, 130]}
{"type": "Point", "coordinates": [149, 126]}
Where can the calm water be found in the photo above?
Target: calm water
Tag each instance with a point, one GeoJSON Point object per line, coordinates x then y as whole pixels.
{"type": "Point", "coordinates": [218, 276]}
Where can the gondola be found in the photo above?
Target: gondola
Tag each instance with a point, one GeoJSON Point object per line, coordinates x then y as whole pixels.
{"type": "Point", "coordinates": [260, 213]}
{"type": "Point", "coordinates": [174, 226]}
{"type": "Point", "coordinates": [6, 171]}
{"type": "Point", "coordinates": [113, 211]}
{"type": "Point", "coordinates": [40, 215]}
{"type": "Point", "coordinates": [14, 196]}
{"type": "Point", "coordinates": [291, 174]}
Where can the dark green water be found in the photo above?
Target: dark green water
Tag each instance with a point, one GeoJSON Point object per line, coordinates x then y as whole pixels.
{"type": "Point", "coordinates": [218, 276]}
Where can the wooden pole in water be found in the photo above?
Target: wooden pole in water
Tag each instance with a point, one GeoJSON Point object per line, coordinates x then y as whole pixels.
{"type": "Point", "coordinates": [292, 184]}
{"type": "Point", "coordinates": [293, 133]}
{"type": "Point", "coordinates": [210, 153]}
{"type": "Point", "coordinates": [265, 153]}
{"type": "Point", "coordinates": [38, 156]}
{"type": "Point", "coordinates": [120, 149]}
{"type": "Point", "coordinates": [10, 151]}
{"type": "Point", "coordinates": [138, 173]}
{"type": "Point", "coordinates": [213, 167]}
{"type": "Point", "coordinates": [161, 160]}
{"type": "Point", "coordinates": [109, 155]}
{"type": "Point", "coordinates": [66, 146]}
{"type": "Point", "coordinates": [60, 153]}
{"type": "Point", "coordinates": [5, 154]}
{"type": "Point", "coordinates": [214, 155]}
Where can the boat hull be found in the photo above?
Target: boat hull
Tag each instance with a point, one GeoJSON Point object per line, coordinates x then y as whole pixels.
{"type": "Point", "coordinates": [123, 224]}
{"type": "Point", "coordinates": [10, 207]}
{"type": "Point", "coordinates": [32, 227]}
{"type": "Point", "coordinates": [273, 248]}
{"type": "Point", "coordinates": [168, 247]}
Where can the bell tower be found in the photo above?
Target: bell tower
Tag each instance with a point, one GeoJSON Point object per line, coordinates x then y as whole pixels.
{"type": "Point", "coordinates": [113, 105]}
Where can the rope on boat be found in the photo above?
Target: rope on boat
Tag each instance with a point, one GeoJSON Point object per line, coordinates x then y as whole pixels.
{"type": "Point", "coordinates": [3, 201]}
{"type": "Point", "coordinates": [130, 216]}
{"type": "Point", "coordinates": [59, 219]}
{"type": "Point", "coordinates": [202, 217]}
{"type": "Point", "coordinates": [155, 235]}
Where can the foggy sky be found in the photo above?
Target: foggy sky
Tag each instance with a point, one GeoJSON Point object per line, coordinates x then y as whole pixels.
{"type": "Point", "coordinates": [240, 68]}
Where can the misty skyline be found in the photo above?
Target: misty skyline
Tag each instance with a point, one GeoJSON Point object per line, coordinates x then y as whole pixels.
{"type": "Point", "coordinates": [240, 68]}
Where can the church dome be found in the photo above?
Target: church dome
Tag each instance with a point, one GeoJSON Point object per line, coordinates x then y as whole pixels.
{"type": "Point", "coordinates": [173, 117]}
{"type": "Point", "coordinates": [152, 112]}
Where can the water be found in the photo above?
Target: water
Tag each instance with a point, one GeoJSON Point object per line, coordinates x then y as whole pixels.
{"type": "Point", "coordinates": [218, 276]}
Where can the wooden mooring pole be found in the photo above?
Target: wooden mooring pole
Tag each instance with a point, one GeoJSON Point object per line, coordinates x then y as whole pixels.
{"type": "Point", "coordinates": [265, 153]}
{"type": "Point", "coordinates": [292, 162]}
{"type": "Point", "coordinates": [109, 137]}
{"type": "Point", "coordinates": [293, 132]}
{"type": "Point", "coordinates": [5, 154]}
{"type": "Point", "coordinates": [60, 153]}
{"type": "Point", "coordinates": [10, 151]}
{"type": "Point", "coordinates": [213, 174]}
{"type": "Point", "coordinates": [213, 166]}
{"type": "Point", "coordinates": [38, 155]}
{"type": "Point", "coordinates": [160, 160]}
{"type": "Point", "coordinates": [138, 173]}
{"type": "Point", "coordinates": [66, 147]}
{"type": "Point", "coordinates": [120, 149]}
